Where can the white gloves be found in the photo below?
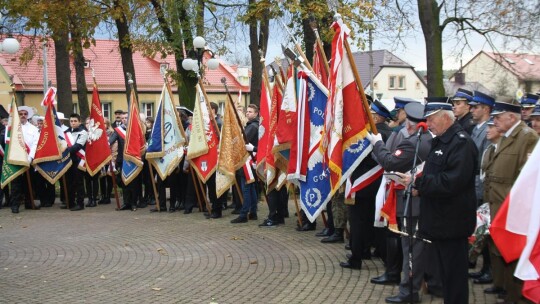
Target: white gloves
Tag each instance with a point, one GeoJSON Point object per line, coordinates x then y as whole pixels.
{"type": "Point", "coordinates": [249, 147]}
{"type": "Point", "coordinates": [374, 138]}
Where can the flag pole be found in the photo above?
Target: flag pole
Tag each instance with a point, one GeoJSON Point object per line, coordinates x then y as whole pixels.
{"type": "Point", "coordinates": [154, 187]}
{"type": "Point", "coordinates": [360, 87]}
{"type": "Point", "coordinates": [297, 46]}
{"type": "Point", "coordinates": [66, 197]}
{"type": "Point", "coordinates": [113, 178]}
{"type": "Point", "coordinates": [319, 44]}
{"type": "Point", "coordinates": [298, 215]}
{"type": "Point", "coordinates": [196, 187]}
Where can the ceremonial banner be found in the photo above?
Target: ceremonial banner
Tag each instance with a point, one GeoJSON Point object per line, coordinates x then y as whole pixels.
{"type": "Point", "coordinates": [298, 157]}
{"type": "Point", "coordinates": [16, 156]}
{"type": "Point", "coordinates": [54, 161]}
{"type": "Point", "coordinates": [135, 142]}
{"type": "Point", "coordinates": [202, 151]}
{"type": "Point", "coordinates": [315, 191]}
{"type": "Point", "coordinates": [346, 123]}
{"type": "Point", "coordinates": [232, 151]}
{"type": "Point", "coordinates": [287, 115]}
{"type": "Point", "coordinates": [98, 152]}
{"type": "Point", "coordinates": [319, 65]}
{"type": "Point", "coordinates": [264, 126]}
{"type": "Point", "coordinates": [48, 147]}
{"type": "Point", "coordinates": [270, 162]}
{"type": "Point", "coordinates": [171, 137]}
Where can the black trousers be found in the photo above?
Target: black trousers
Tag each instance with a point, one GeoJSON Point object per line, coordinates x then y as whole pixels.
{"type": "Point", "coordinates": [452, 257]}
{"type": "Point", "coordinates": [277, 204]}
{"type": "Point", "coordinates": [75, 186]}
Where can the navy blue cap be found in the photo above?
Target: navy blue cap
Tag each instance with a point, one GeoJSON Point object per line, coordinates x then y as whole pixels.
{"type": "Point", "coordinates": [379, 108]}
{"type": "Point", "coordinates": [501, 107]}
{"type": "Point", "coordinates": [463, 94]}
{"type": "Point", "coordinates": [402, 101]}
{"type": "Point", "coordinates": [536, 111]}
{"type": "Point", "coordinates": [529, 100]}
{"type": "Point", "coordinates": [481, 98]}
{"type": "Point", "coordinates": [415, 112]}
{"type": "Point", "coordinates": [436, 104]}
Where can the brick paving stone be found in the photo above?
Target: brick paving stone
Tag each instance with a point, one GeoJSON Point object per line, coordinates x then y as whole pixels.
{"type": "Point", "coordinates": [100, 255]}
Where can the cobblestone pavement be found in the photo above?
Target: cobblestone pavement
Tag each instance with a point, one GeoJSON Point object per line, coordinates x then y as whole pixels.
{"type": "Point", "coordinates": [104, 256]}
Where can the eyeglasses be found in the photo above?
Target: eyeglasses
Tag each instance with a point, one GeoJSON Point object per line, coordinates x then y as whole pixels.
{"type": "Point", "coordinates": [23, 114]}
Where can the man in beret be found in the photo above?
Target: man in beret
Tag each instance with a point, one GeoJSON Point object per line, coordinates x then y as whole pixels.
{"type": "Point", "coordinates": [511, 153]}
{"type": "Point", "coordinates": [462, 109]}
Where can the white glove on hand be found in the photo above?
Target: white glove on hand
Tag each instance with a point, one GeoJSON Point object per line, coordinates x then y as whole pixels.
{"type": "Point", "coordinates": [249, 147]}
{"type": "Point", "coordinates": [374, 138]}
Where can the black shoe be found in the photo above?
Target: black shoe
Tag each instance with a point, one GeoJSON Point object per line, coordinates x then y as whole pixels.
{"type": "Point", "coordinates": [347, 246]}
{"type": "Point", "coordinates": [214, 215]}
{"type": "Point", "coordinates": [63, 206]}
{"type": "Point", "coordinates": [239, 220]}
{"type": "Point", "coordinates": [385, 279]}
{"type": "Point", "coordinates": [252, 217]}
{"type": "Point", "coordinates": [181, 206]}
{"type": "Point", "coordinates": [484, 279]}
{"type": "Point", "coordinates": [171, 210]}
{"type": "Point", "coordinates": [188, 211]}
{"type": "Point", "coordinates": [236, 211]}
{"type": "Point", "coordinates": [403, 299]}
{"type": "Point", "coordinates": [91, 203]}
{"type": "Point", "coordinates": [476, 275]}
{"type": "Point", "coordinates": [14, 210]}
{"type": "Point", "coordinates": [142, 204]}
{"type": "Point", "coordinates": [268, 223]}
{"type": "Point", "coordinates": [435, 291]}
{"type": "Point", "coordinates": [351, 264]}
{"type": "Point", "coordinates": [324, 232]}
{"type": "Point", "coordinates": [472, 265]}
{"type": "Point", "coordinates": [306, 227]}
{"type": "Point", "coordinates": [77, 208]}
{"type": "Point", "coordinates": [494, 290]}
{"type": "Point", "coordinates": [104, 201]}
{"type": "Point", "coordinates": [279, 221]}
{"type": "Point", "coordinates": [125, 207]}
{"type": "Point", "coordinates": [337, 237]}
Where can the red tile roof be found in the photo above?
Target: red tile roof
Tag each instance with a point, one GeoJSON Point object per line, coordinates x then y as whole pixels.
{"type": "Point", "coordinates": [105, 59]}
{"type": "Point", "coordinates": [524, 66]}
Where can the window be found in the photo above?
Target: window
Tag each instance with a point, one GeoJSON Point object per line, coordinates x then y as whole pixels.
{"type": "Point", "coordinates": [396, 82]}
{"type": "Point", "coordinates": [418, 85]}
{"type": "Point", "coordinates": [106, 109]}
{"type": "Point", "coordinates": [75, 107]}
{"type": "Point", "coordinates": [148, 109]}
{"type": "Point", "coordinates": [375, 85]}
{"type": "Point", "coordinates": [87, 64]}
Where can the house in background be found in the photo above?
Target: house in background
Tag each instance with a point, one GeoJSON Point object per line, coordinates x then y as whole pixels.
{"type": "Point", "coordinates": [459, 81]}
{"type": "Point", "coordinates": [391, 75]}
{"type": "Point", "coordinates": [503, 74]}
{"type": "Point", "coordinates": [104, 58]}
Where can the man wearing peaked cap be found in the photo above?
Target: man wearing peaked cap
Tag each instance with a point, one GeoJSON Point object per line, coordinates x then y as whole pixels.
{"type": "Point", "coordinates": [400, 108]}
{"type": "Point", "coordinates": [447, 196]}
{"type": "Point", "coordinates": [528, 102]}
{"type": "Point", "coordinates": [462, 109]}
{"type": "Point", "coordinates": [401, 160]}
{"type": "Point", "coordinates": [535, 119]}
{"type": "Point", "coordinates": [380, 115]}
{"type": "Point", "coordinates": [481, 105]}
{"type": "Point", "coordinates": [511, 153]}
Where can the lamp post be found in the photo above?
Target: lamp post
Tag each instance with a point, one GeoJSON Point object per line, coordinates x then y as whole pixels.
{"type": "Point", "coordinates": [194, 60]}
{"type": "Point", "coordinates": [10, 45]}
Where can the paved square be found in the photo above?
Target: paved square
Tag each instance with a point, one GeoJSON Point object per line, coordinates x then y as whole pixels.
{"type": "Point", "coordinates": [104, 256]}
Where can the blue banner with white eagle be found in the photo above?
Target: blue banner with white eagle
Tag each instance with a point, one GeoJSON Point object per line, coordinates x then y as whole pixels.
{"type": "Point", "coordinates": [315, 191]}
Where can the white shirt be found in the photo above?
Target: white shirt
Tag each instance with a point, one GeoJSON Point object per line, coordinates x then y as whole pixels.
{"type": "Point", "coordinates": [511, 129]}
{"type": "Point", "coordinates": [31, 137]}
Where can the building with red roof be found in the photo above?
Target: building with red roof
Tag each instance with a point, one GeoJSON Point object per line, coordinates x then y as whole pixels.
{"type": "Point", "coordinates": [104, 59]}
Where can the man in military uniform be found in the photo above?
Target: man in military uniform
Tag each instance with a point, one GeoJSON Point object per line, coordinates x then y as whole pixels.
{"type": "Point", "coordinates": [528, 102]}
{"type": "Point", "coordinates": [401, 160]}
{"type": "Point", "coordinates": [462, 109]}
{"type": "Point", "coordinates": [448, 199]}
{"type": "Point", "coordinates": [535, 119]}
{"type": "Point", "coordinates": [481, 105]}
{"type": "Point", "coordinates": [512, 152]}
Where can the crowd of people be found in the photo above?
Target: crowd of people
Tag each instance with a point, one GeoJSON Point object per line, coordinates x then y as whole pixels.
{"type": "Point", "coordinates": [467, 161]}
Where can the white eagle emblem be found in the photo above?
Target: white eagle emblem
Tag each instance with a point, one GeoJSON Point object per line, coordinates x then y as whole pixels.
{"type": "Point", "coordinates": [439, 152]}
{"type": "Point", "coordinates": [94, 132]}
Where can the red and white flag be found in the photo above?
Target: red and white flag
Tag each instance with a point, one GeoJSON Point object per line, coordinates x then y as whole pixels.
{"type": "Point", "coordinates": [515, 229]}
{"type": "Point", "coordinates": [510, 226]}
{"type": "Point", "coordinates": [264, 127]}
{"type": "Point", "coordinates": [98, 153]}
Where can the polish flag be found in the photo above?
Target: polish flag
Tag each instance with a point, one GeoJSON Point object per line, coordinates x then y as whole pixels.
{"type": "Point", "coordinates": [527, 188]}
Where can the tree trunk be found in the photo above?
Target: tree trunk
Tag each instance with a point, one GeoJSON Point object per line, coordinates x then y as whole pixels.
{"type": "Point", "coordinates": [429, 11]}
{"type": "Point", "coordinates": [258, 40]}
{"type": "Point", "coordinates": [126, 50]}
{"type": "Point", "coordinates": [80, 78]}
{"type": "Point", "coordinates": [63, 74]}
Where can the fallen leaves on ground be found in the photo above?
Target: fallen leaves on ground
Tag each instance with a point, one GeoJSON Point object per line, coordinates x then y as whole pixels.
{"type": "Point", "coordinates": [162, 251]}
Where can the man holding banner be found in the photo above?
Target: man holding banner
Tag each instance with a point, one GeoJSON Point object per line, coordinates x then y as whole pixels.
{"type": "Point", "coordinates": [77, 137]}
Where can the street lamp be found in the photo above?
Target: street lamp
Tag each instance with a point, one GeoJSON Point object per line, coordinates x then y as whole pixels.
{"type": "Point", "coordinates": [193, 62]}
{"type": "Point", "coordinates": [10, 45]}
